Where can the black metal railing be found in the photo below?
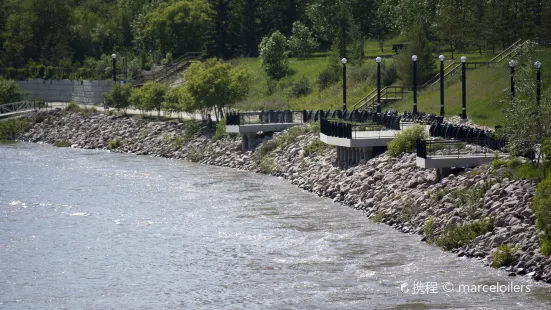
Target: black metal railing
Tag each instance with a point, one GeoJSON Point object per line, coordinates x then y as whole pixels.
{"type": "Point", "coordinates": [458, 148]}
{"type": "Point", "coordinates": [265, 117]}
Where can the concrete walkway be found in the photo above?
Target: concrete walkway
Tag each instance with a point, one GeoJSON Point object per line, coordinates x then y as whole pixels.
{"type": "Point", "coordinates": [196, 116]}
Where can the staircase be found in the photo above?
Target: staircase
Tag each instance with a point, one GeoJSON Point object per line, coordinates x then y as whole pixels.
{"type": "Point", "coordinates": [389, 94]}
{"type": "Point", "coordinates": [162, 76]}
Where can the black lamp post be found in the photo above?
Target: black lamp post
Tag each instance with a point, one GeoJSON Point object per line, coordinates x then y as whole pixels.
{"type": "Point", "coordinates": [414, 58]}
{"type": "Point", "coordinates": [441, 58]}
{"type": "Point", "coordinates": [512, 65]}
{"type": "Point", "coordinates": [114, 67]}
{"type": "Point", "coordinates": [125, 69]}
{"type": "Point", "coordinates": [378, 60]}
{"type": "Point", "coordinates": [538, 78]}
{"type": "Point", "coordinates": [343, 61]}
{"type": "Point", "coordinates": [464, 86]}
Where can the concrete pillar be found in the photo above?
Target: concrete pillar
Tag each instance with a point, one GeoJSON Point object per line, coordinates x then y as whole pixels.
{"type": "Point", "coordinates": [244, 142]}
{"type": "Point", "coordinates": [442, 173]}
{"type": "Point", "coordinates": [251, 140]}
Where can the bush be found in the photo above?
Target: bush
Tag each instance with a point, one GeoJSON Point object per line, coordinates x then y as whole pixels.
{"type": "Point", "coordinates": [378, 217]}
{"type": "Point", "coordinates": [389, 75]}
{"type": "Point", "coordinates": [119, 96]}
{"type": "Point", "coordinates": [267, 166]}
{"type": "Point", "coordinates": [114, 144]}
{"type": "Point", "coordinates": [362, 74]}
{"type": "Point", "coordinates": [541, 206]}
{"type": "Point", "coordinates": [220, 130]}
{"type": "Point", "coordinates": [301, 43]}
{"type": "Point", "coordinates": [10, 129]}
{"type": "Point", "coordinates": [73, 107]}
{"type": "Point", "coordinates": [10, 91]}
{"type": "Point", "coordinates": [299, 88]}
{"type": "Point", "coordinates": [290, 136]}
{"type": "Point", "coordinates": [429, 230]}
{"type": "Point", "coordinates": [405, 141]}
{"type": "Point", "coordinates": [455, 236]}
{"type": "Point", "coordinates": [62, 143]}
{"type": "Point", "coordinates": [274, 55]}
{"type": "Point", "coordinates": [191, 129]}
{"type": "Point", "coordinates": [316, 147]}
{"type": "Point", "coordinates": [504, 256]}
{"type": "Point", "coordinates": [330, 75]}
{"type": "Point", "coordinates": [266, 148]}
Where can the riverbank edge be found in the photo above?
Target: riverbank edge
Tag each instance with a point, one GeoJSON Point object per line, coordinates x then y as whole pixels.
{"type": "Point", "coordinates": [389, 190]}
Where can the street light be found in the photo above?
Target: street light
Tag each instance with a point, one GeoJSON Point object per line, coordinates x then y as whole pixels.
{"type": "Point", "coordinates": [414, 58]}
{"type": "Point", "coordinates": [538, 78]}
{"type": "Point", "coordinates": [441, 58]}
{"type": "Point", "coordinates": [512, 65]}
{"type": "Point", "coordinates": [378, 60]}
{"type": "Point", "coordinates": [114, 67]}
{"type": "Point", "coordinates": [343, 61]}
{"type": "Point", "coordinates": [464, 86]}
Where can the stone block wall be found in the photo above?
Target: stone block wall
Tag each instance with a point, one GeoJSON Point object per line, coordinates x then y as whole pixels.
{"type": "Point", "coordinates": [84, 92]}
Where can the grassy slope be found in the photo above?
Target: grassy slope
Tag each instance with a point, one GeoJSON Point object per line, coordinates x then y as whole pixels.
{"type": "Point", "coordinates": [486, 88]}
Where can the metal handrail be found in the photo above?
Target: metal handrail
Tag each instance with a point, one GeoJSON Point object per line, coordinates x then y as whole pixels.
{"type": "Point", "coordinates": [505, 50]}
{"type": "Point", "coordinates": [363, 99]}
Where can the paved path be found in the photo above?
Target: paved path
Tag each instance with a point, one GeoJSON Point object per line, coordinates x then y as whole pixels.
{"type": "Point", "coordinates": [62, 105]}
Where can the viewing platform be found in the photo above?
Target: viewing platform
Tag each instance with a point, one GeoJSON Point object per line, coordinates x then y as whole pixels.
{"type": "Point", "coordinates": [248, 124]}
{"type": "Point", "coordinates": [361, 139]}
{"type": "Point", "coordinates": [443, 155]}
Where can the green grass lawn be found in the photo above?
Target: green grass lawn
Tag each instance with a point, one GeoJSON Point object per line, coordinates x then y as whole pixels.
{"type": "Point", "coordinates": [487, 88]}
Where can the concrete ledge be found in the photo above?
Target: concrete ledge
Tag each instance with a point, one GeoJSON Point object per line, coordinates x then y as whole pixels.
{"type": "Point", "coordinates": [466, 161]}
{"type": "Point", "coordinates": [254, 128]}
{"type": "Point", "coordinates": [369, 139]}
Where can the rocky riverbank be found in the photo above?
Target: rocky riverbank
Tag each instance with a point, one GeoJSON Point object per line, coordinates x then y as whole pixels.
{"type": "Point", "coordinates": [390, 190]}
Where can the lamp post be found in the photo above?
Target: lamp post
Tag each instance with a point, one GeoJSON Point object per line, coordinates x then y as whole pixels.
{"type": "Point", "coordinates": [343, 61]}
{"type": "Point", "coordinates": [378, 60]}
{"type": "Point", "coordinates": [464, 86]}
{"type": "Point", "coordinates": [538, 79]}
{"type": "Point", "coordinates": [441, 58]}
{"type": "Point", "coordinates": [414, 58]}
{"type": "Point", "coordinates": [512, 65]}
{"type": "Point", "coordinates": [114, 67]}
{"type": "Point", "coordinates": [125, 68]}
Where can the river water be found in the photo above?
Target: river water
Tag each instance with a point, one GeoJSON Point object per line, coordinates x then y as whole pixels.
{"type": "Point", "coordinates": [87, 229]}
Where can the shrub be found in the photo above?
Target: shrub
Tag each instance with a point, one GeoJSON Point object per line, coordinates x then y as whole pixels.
{"type": "Point", "coordinates": [299, 88]}
{"type": "Point", "coordinates": [455, 236]}
{"type": "Point", "coordinates": [429, 230]}
{"type": "Point", "coordinates": [191, 129]}
{"type": "Point", "coordinates": [177, 142]}
{"type": "Point", "coordinates": [330, 75]}
{"type": "Point", "coordinates": [301, 43]}
{"type": "Point", "coordinates": [504, 256]}
{"type": "Point", "coordinates": [316, 147]}
{"type": "Point", "coordinates": [119, 96]}
{"type": "Point", "coordinates": [290, 135]}
{"type": "Point", "coordinates": [194, 155]}
{"type": "Point", "coordinates": [10, 91]}
{"type": "Point", "coordinates": [62, 143]}
{"type": "Point", "coordinates": [541, 206]}
{"type": "Point", "coordinates": [274, 55]}
{"type": "Point", "coordinates": [378, 217]}
{"type": "Point", "coordinates": [389, 75]}
{"type": "Point", "coordinates": [267, 165]}
{"type": "Point", "coordinates": [220, 130]}
{"type": "Point", "coordinates": [114, 144]}
{"type": "Point", "coordinates": [10, 129]}
{"type": "Point", "coordinates": [405, 141]}
{"type": "Point", "coordinates": [362, 73]}
{"type": "Point", "coordinates": [73, 107]}
{"type": "Point", "coordinates": [437, 196]}
{"type": "Point", "coordinates": [315, 127]}
{"type": "Point", "coordinates": [266, 148]}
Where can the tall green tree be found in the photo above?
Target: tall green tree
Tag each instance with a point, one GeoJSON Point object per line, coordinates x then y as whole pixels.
{"type": "Point", "coordinates": [274, 55]}
{"type": "Point", "coordinates": [214, 85]}
{"type": "Point", "coordinates": [178, 27]}
{"type": "Point", "coordinates": [419, 45]}
{"type": "Point", "coordinates": [301, 43]}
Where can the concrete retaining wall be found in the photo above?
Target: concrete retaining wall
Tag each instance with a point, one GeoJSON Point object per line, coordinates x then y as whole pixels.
{"type": "Point", "coordinates": [85, 92]}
